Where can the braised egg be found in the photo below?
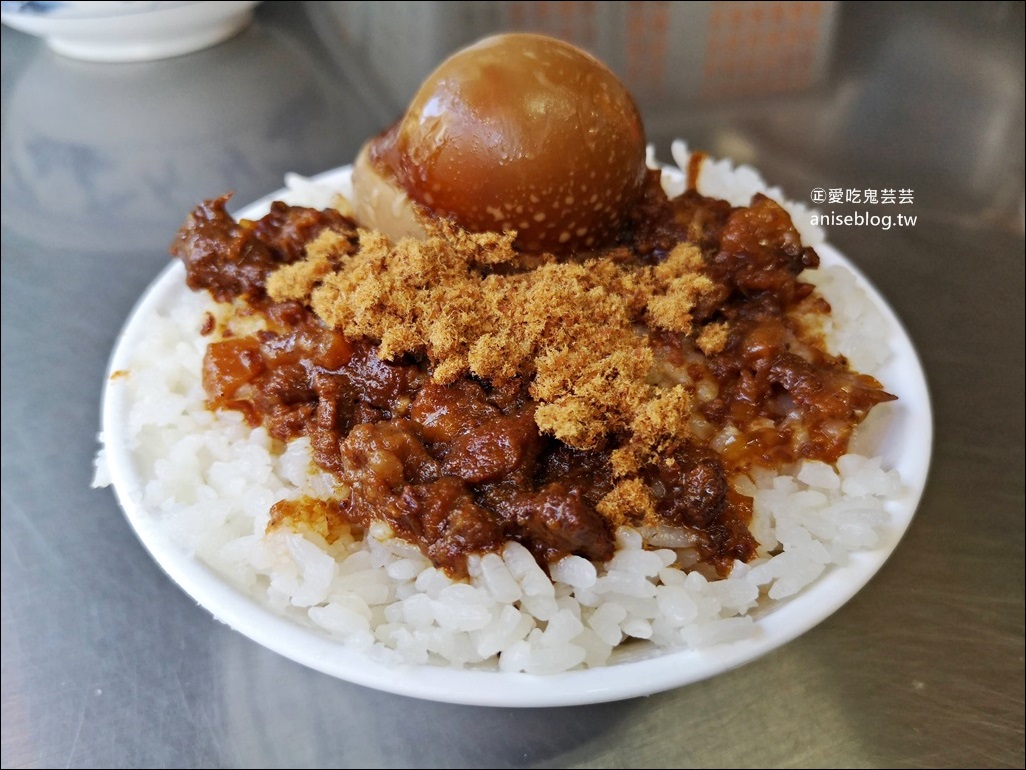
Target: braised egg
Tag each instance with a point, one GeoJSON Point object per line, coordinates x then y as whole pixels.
{"type": "Point", "coordinates": [517, 132]}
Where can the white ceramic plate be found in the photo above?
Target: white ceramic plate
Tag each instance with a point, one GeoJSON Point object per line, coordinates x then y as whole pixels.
{"type": "Point", "coordinates": [904, 439]}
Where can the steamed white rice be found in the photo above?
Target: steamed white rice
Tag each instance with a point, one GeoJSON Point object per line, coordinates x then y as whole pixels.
{"type": "Point", "coordinates": [211, 481]}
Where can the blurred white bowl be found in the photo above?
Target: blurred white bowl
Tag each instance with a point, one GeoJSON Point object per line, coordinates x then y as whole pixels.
{"type": "Point", "coordinates": [128, 31]}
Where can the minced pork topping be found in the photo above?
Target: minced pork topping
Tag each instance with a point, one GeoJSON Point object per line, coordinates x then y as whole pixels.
{"type": "Point", "coordinates": [467, 393]}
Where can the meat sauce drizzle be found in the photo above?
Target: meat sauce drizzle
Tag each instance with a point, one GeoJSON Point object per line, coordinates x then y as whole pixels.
{"type": "Point", "coordinates": [463, 468]}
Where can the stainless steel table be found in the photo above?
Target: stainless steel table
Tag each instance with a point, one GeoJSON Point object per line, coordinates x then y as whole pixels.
{"type": "Point", "coordinates": [106, 663]}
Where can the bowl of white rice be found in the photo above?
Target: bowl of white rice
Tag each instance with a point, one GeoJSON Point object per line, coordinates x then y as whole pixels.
{"type": "Point", "coordinates": [197, 487]}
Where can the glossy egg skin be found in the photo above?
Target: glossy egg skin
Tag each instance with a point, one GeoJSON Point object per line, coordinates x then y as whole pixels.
{"type": "Point", "coordinates": [521, 132]}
